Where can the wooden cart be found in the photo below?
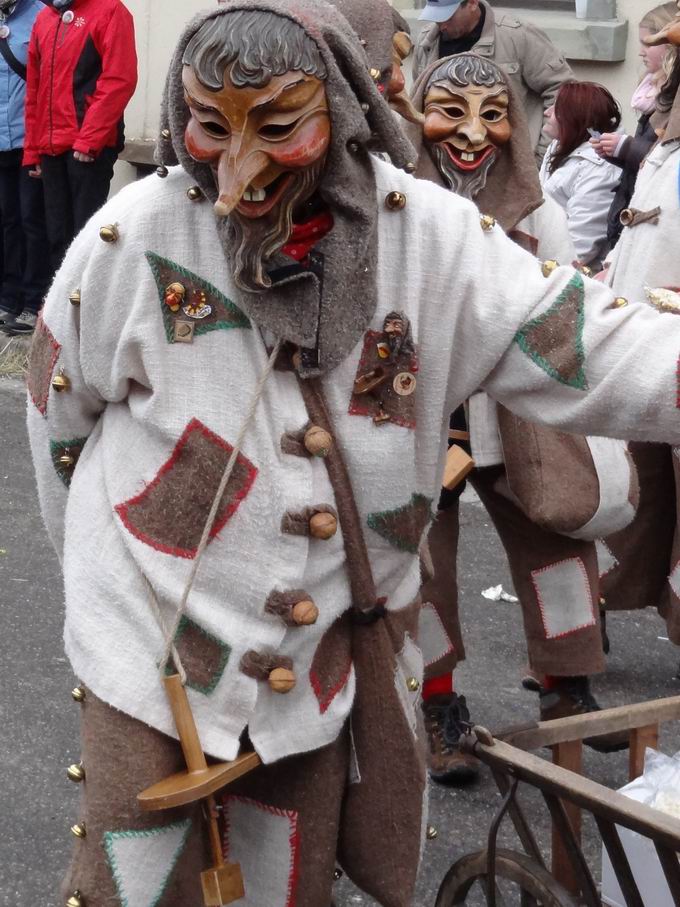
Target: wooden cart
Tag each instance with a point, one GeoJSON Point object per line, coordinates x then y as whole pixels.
{"type": "Point", "coordinates": [566, 792]}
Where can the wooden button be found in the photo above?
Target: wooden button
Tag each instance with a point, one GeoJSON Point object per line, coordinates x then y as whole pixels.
{"type": "Point", "coordinates": [323, 526]}
{"type": "Point", "coordinates": [281, 680]}
{"type": "Point", "coordinates": [305, 613]}
{"type": "Point", "coordinates": [318, 441]}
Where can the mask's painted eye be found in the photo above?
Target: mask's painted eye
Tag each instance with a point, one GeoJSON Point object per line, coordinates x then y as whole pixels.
{"type": "Point", "coordinates": [492, 115]}
{"type": "Point", "coordinates": [277, 130]}
{"type": "Point", "coordinates": [455, 112]}
{"type": "Point", "coordinates": [216, 130]}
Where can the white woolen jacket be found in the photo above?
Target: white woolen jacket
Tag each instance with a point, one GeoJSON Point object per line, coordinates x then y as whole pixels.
{"type": "Point", "coordinates": [584, 187]}
{"type": "Point", "coordinates": [466, 293]}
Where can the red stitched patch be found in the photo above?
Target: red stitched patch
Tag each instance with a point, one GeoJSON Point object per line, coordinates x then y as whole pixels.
{"type": "Point", "coordinates": [541, 603]}
{"type": "Point", "coordinates": [170, 513]}
{"type": "Point", "coordinates": [332, 663]}
{"type": "Point", "coordinates": [44, 354]}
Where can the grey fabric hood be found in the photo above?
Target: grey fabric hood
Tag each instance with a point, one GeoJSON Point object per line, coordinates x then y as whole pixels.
{"type": "Point", "coordinates": [324, 309]}
{"type": "Point", "coordinates": [513, 189]}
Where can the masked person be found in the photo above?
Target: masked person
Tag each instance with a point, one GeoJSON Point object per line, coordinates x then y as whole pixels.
{"type": "Point", "coordinates": [535, 67]}
{"type": "Point", "coordinates": [25, 270]}
{"type": "Point", "coordinates": [198, 411]}
{"type": "Point", "coordinates": [476, 142]}
{"type": "Point", "coordinates": [82, 71]}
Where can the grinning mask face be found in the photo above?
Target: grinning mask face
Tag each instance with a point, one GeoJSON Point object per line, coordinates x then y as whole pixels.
{"type": "Point", "coordinates": [466, 120]}
{"type": "Point", "coordinates": [260, 124]}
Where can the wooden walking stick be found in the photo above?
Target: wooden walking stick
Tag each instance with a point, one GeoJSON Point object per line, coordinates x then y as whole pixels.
{"type": "Point", "coordinates": [223, 883]}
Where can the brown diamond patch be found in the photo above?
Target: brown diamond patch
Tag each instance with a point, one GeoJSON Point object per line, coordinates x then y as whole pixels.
{"type": "Point", "coordinates": [204, 657]}
{"type": "Point", "coordinates": [44, 354]}
{"type": "Point", "coordinates": [403, 527]}
{"type": "Point", "coordinates": [332, 662]}
{"type": "Point", "coordinates": [169, 515]}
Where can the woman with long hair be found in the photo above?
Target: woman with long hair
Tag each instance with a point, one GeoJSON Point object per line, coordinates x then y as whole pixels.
{"type": "Point", "coordinates": [628, 151]}
{"type": "Point", "coordinates": [572, 173]}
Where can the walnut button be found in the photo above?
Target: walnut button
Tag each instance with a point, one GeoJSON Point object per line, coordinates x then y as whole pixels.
{"type": "Point", "coordinates": [549, 266]}
{"type": "Point", "coordinates": [281, 680]}
{"type": "Point", "coordinates": [487, 222]}
{"type": "Point", "coordinates": [395, 201]}
{"type": "Point", "coordinates": [305, 613]}
{"type": "Point", "coordinates": [318, 441]}
{"type": "Point", "coordinates": [323, 526]}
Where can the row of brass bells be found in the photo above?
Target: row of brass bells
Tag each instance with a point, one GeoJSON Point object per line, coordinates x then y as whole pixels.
{"type": "Point", "coordinates": [76, 772]}
{"type": "Point", "coordinates": [76, 900]}
{"type": "Point", "coordinates": [281, 680]}
{"type": "Point", "coordinates": [317, 441]}
{"type": "Point", "coordinates": [323, 526]}
{"type": "Point", "coordinates": [61, 382]}
{"type": "Point", "coordinates": [109, 233]}
{"type": "Point", "coordinates": [74, 297]}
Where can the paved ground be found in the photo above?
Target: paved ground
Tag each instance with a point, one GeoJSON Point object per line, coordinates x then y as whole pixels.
{"type": "Point", "coordinates": [39, 721]}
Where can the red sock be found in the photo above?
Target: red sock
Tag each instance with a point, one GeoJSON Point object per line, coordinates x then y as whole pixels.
{"type": "Point", "coordinates": [436, 685]}
{"type": "Point", "coordinates": [550, 682]}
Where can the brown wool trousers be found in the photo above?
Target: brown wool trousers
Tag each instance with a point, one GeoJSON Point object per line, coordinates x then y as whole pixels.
{"type": "Point", "coordinates": [281, 822]}
{"type": "Point", "coordinates": [555, 578]}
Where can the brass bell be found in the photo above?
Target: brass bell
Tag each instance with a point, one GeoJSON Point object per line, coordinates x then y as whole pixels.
{"type": "Point", "coordinates": [323, 526]}
{"type": "Point", "coordinates": [410, 167]}
{"type": "Point", "coordinates": [395, 201]}
{"type": "Point", "coordinates": [74, 297]}
{"type": "Point", "coordinates": [374, 73]}
{"type": "Point", "coordinates": [61, 382]}
{"type": "Point", "coordinates": [162, 171]}
{"type": "Point", "coordinates": [318, 441]}
{"type": "Point", "coordinates": [619, 302]}
{"type": "Point", "coordinates": [78, 694]}
{"type": "Point", "coordinates": [603, 601]}
{"type": "Point", "coordinates": [281, 680]}
{"type": "Point", "coordinates": [586, 271]}
{"type": "Point", "coordinates": [413, 684]}
{"type": "Point", "coordinates": [305, 613]}
{"type": "Point", "coordinates": [76, 772]}
{"type": "Point", "coordinates": [432, 833]}
{"type": "Point", "coordinates": [79, 830]}
{"type": "Point", "coordinates": [549, 266]}
{"type": "Point", "coordinates": [76, 900]}
{"type": "Point", "coordinates": [165, 133]}
{"type": "Point", "coordinates": [365, 108]}
{"type": "Point", "coordinates": [66, 460]}
{"type": "Point", "coordinates": [487, 222]}
{"type": "Point", "coordinates": [337, 873]}
{"type": "Point", "coordinates": [109, 233]}
{"type": "Point", "coordinates": [194, 193]}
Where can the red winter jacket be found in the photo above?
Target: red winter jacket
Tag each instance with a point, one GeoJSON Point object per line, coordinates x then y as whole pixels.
{"type": "Point", "coordinates": [82, 71]}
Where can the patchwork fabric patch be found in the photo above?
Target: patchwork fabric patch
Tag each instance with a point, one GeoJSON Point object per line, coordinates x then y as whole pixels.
{"type": "Point", "coordinates": [332, 663]}
{"type": "Point", "coordinates": [554, 340]}
{"type": "Point", "coordinates": [65, 456]}
{"type": "Point", "coordinates": [44, 354]}
{"type": "Point", "coordinates": [606, 561]}
{"type": "Point", "coordinates": [391, 397]}
{"type": "Point", "coordinates": [265, 841]}
{"type": "Point", "coordinates": [564, 597]}
{"type": "Point", "coordinates": [404, 526]}
{"type": "Point", "coordinates": [142, 862]}
{"type": "Point", "coordinates": [169, 515]}
{"type": "Point", "coordinates": [409, 667]}
{"type": "Point", "coordinates": [187, 298]}
{"type": "Point", "coordinates": [204, 656]}
{"type": "Point", "coordinates": [432, 637]}
{"type": "Point", "coordinates": [674, 580]}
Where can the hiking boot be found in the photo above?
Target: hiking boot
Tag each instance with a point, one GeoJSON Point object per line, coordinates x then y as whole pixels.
{"type": "Point", "coordinates": [445, 717]}
{"type": "Point", "coordinates": [572, 696]}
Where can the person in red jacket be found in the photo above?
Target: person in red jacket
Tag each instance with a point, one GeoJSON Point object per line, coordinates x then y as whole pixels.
{"type": "Point", "coordinates": [82, 71]}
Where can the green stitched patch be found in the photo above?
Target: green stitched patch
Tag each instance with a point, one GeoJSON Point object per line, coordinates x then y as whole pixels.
{"type": "Point", "coordinates": [204, 656]}
{"type": "Point", "coordinates": [156, 850]}
{"type": "Point", "coordinates": [554, 340]}
{"type": "Point", "coordinates": [404, 526]}
{"type": "Point", "coordinates": [196, 295]}
{"type": "Point", "coordinates": [65, 456]}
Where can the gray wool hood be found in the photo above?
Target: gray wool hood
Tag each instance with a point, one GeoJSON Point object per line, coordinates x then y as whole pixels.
{"type": "Point", "coordinates": [325, 308]}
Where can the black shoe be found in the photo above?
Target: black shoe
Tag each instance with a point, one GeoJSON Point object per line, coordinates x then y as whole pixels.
{"type": "Point", "coordinates": [446, 719]}
{"type": "Point", "coordinates": [603, 631]}
{"type": "Point", "coordinates": [21, 324]}
{"type": "Point", "coordinates": [572, 696]}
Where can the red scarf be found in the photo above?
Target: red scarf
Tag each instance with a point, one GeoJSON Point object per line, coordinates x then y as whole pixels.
{"type": "Point", "coordinates": [305, 236]}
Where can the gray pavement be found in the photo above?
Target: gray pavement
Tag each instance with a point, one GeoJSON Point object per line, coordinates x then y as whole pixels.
{"type": "Point", "coordinates": [38, 720]}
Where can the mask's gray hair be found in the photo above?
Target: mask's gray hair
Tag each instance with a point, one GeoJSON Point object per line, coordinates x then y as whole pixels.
{"type": "Point", "coordinates": [467, 69]}
{"type": "Point", "coordinates": [258, 43]}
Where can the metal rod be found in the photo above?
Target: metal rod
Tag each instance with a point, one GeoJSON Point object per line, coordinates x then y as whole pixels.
{"type": "Point", "coordinates": [617, 855]}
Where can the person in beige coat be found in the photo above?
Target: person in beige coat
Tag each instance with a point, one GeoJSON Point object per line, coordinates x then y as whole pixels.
{"type": "Point", "coordinates": [535, 67]}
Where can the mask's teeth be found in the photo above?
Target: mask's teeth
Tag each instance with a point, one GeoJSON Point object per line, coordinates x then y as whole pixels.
{"type": "Point", "coordinates": [254, 195]}
{"type": "Point", "coordinates": [466, 156]}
